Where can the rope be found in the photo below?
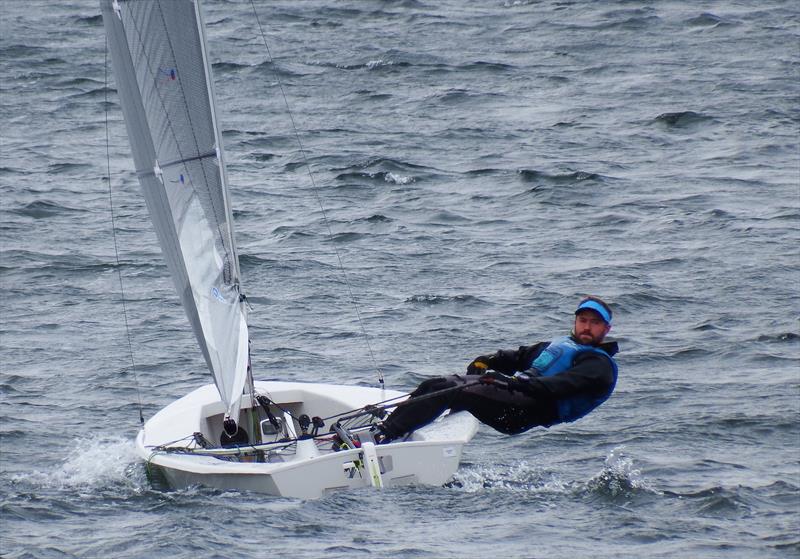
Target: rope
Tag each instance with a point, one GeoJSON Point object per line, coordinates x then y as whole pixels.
{"type": "Point", "coordinates": [116, 249]}
{"type": "Point", "coordinates": [383, 405]}
{"type": "Point", "coordinates": [232, 451]}
{"type": "Point", "coordinates": [319, 201]}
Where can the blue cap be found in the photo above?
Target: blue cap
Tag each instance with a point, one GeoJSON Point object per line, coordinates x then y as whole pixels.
{"type": "Point", "coordinates": [593, 305]}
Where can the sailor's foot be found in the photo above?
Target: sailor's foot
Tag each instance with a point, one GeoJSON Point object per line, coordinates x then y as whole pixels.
{"type": "Point", "coordinates": [380, 434]}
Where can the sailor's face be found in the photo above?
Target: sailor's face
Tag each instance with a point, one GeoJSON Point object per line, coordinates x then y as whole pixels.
{"type": "Point", "coordinates": [590, 329]}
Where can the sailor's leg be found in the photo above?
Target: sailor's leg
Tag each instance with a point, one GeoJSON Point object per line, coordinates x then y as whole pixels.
{"type": "Point", "coordinates": [413, 414]}
{"type": "Point", "coordinates": [507, 412]}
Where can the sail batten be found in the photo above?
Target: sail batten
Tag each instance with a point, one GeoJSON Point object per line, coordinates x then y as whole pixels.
{"type": "Point", "coordinates": [165, 87]}
{"type": "Point", "coordinates": [159, 165]}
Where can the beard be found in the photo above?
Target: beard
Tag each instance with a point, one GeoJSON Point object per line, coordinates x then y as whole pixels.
{"type": "Point", "coordinates": [586, 338]}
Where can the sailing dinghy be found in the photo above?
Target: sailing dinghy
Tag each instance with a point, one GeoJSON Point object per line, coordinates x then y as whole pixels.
{"type": "Point", "coordinates": [289, 439]}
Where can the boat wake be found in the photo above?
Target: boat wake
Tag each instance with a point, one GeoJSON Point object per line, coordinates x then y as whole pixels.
{"type": "Point", "coordinates": [619, 477]}
{"type": "Point", "coordinates": [521, 476]}
{"type": "Point", "coordinates": [94, 463]}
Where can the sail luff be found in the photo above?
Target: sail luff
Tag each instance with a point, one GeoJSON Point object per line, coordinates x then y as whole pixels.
{"type": "Point", "coordinates": [166, 92]}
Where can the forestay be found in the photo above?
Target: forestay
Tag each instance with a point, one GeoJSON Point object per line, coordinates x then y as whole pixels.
{"type": "Point", "coordinates": [164, 82]}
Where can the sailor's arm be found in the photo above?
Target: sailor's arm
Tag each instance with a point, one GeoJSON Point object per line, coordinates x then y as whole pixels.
{"type": "Point", "coordinates": [507, 361]}
{"type": "Point", "coordinates": [592, 374]}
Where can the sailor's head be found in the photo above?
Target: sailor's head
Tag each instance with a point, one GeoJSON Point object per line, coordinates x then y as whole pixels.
{"type": "Point", "coordinates": [592, 321]}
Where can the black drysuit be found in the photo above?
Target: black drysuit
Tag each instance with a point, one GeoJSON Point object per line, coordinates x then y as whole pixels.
{"type": "Point", "coordinates": [514, 409]}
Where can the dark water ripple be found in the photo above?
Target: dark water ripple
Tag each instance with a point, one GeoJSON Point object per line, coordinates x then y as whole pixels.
{"type": "Point", "coordinates": [481, 167]}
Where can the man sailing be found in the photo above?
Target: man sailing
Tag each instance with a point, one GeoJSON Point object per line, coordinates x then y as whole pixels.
{"type": "Point", "coordinates": [514, 390]}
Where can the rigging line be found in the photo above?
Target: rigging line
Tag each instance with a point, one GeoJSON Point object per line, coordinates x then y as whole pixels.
{"type": "Point", "coordinates": [268, 396]}
{"type": "Point", "coordinates": [114, 235]}
{"type": "Point", "coordinates": [319, 201]}
{"type": "Point", "coordinates": [385, 404]}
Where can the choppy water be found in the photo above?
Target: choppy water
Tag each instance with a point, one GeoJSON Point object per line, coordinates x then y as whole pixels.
{"type": "Point", "coordinates": [482, 165]}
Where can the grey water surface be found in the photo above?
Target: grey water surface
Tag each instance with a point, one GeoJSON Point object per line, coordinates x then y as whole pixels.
{"type": "Point", "coordinates": [482, 165]}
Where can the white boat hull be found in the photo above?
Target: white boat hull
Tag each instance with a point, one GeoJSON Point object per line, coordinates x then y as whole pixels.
{"type": "Point", "coordinates": [430, 456]}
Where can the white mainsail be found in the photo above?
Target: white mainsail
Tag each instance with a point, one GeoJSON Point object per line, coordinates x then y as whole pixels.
{"type": "Point", "coordinates": [163, 76]}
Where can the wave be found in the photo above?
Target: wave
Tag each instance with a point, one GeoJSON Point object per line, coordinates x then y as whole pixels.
{"type": "Point", "coordinates": [377, 218]}
{"type": "Point", "coordinates": [739, 501]}
{"type": "Point", "coordinates": [642, 300]}
{"type": "Point", "coordinates": [379, 176]}
{"type": "Point", "coordinates": [42, 263]}
{"type": "Point", "coordinates": [532, 175]}
{"type": "Point", "coordinates": [288, 232]}
{"type": "Point", "coordinates": [345, 237]}
{"type": "Point", "coordinates": [261, 157]}
{"type": "Point", "coordinates": [635, 19]}
{"type": "Point", "coordinates": [683, 120]}
{"type": "Point", "coordinates": [457, 95]}
{"type": "Point", "coordinates": [303, 164]}
{"type": "Point", "coordinates": [12, 52]}
{"type": "Point", "coordinates": [372, 95]}
{"type": "Point", "coordinates": [73, 81]}
{"type": "Point", "coordinates": [221, 21]}
{"type": "Point", "coordinates": [619, 478]}
{"type": "Point", "coordinates": [93, 463]}
{"type": "Point", "coordinates": [265, 66]}
{"type": "Point", "coordinates": [98, 93]}
{"type": "Point", "coordinates": [61, 168]}
{"type": "Point", "coordinates": [369, 65]}
{"type": "Point", "coordinates": [716, 501]}
{"type": "Point", "coordinates": [483, 66]}
{"type": "Point", "coordinates": [93, 20]}
{"type": "Point", "coordinates": [224, 67]}
{"type": "Point", "coordinates": [746, 423]}
{"type": "Point", "coordinates": [389, 163]}
{"type": "Point", "coordinates": [707, 20]}
{"type": "Point", "coordinates": [380, 63]}
{"type": "Point", "coordinates": [442, 299]}
{"type": "Point", "coordinates": [782, 337]}
{"type": "Point", "coordinates": [476, 66]}
{"type": "Point", "coordinates": [44, 208]}
{"type": "Point", "coordinates": [519, 477]}
{"type": "Point", "coordinates": [257, 139]}
{"type": "Point", "coordinates": [485, 172]}
{"type": "Point", "coordinates": [383, 170]}
{"type": "Point", "coordinates": [634, 22]}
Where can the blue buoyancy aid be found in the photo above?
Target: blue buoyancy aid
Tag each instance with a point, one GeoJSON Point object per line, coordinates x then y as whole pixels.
{"type": "Point", "coordinates": [558, 357]}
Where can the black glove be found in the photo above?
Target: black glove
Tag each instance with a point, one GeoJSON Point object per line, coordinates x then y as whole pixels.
{"type": "Point", "coordinates": [497, 379]}
{"type": "Point", "coordinates": [479, 365]}
{"type": "Point", "coordinates": [512, 384]}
